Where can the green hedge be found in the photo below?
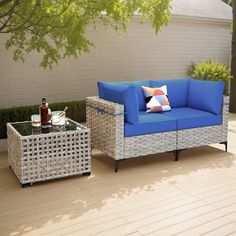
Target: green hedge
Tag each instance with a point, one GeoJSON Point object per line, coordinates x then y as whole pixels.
{"type": "Point", "coordinates": [211, 70]}
{"type": "Point", "coordinates": [76, 111]}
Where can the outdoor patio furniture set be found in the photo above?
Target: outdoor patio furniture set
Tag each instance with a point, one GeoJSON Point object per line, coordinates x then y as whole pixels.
{"type": "Point", "coordinates": [122, 128]}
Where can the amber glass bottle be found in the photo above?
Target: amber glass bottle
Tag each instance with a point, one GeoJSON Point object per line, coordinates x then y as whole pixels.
{"type": "Point", "coordinates": [43, 110]}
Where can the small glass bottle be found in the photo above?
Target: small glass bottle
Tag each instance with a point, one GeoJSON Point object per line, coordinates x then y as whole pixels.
{"type": "Point", "coordinates": [44, 113]}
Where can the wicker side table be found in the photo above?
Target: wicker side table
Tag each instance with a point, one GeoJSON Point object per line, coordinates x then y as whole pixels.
{"type": "Point", "coordinates": [35, 156]}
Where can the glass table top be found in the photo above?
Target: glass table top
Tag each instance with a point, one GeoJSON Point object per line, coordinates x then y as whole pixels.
{"type": "Point", "coordinates": [26, 129]}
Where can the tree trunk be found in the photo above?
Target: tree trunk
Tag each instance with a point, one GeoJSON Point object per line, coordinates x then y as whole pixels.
{"type": "Point", "coordinates": [233, 63]}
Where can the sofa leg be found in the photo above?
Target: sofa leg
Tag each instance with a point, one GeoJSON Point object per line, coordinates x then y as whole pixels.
{"type": "Point", "coordinates": [177, 152]}
{"type": "Point", "coordinates": [117, 162]}
{"type": "Point", "coordinates": [226, 145]}
{"type": "Point", "coordinates": [177, 155]}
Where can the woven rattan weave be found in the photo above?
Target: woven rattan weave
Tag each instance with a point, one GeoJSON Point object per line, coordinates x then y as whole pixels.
{"type": "Point", "coordinates": [40, 157]}
{"type": "Point", "coordinates": [106, 121]}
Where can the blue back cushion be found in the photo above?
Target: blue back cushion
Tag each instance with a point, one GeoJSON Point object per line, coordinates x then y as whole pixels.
{"type": "Point", "coordinates": [177, 90]}
{"type": "Point", "coordinates": [121, 94]}
{"type": "Point", "coordinates": [206, 95]}
{"type": "Point", "coordinates": [138, 87]}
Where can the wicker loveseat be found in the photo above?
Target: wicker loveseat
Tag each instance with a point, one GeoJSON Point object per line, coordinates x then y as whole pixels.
{"type": "Point", "coordinates": [122, 129]}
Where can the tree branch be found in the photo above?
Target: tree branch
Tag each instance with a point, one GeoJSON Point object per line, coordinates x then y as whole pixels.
{"type": "Point", "coordinates": [55, 15]}
{"type": "Point", "coordinates": [37, 4]}
{"type": "Point", "coordinates": [9, 13]}
{"type": "Point", "coordinates": [31, 24]}
{"type": "Point", "coordinates": [4, 2]}
{"type": "Point", "coordinates": [10, 10]}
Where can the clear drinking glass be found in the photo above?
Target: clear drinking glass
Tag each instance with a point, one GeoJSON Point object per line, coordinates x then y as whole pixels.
{"type": "Point", "coordinates": [36, 120]}
{"type": "Point", "coordinates": [58, 118]}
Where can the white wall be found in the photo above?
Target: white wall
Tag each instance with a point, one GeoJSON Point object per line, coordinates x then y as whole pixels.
{"type": "Point", "coordinates": [140, 54]}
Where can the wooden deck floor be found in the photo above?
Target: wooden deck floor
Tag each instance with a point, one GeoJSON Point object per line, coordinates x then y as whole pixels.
{"type": "Point", "coordinates": [149, 196]}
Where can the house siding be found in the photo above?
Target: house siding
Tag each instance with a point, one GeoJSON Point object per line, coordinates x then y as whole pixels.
{"type": "Point", "coordinates": [139, 54]}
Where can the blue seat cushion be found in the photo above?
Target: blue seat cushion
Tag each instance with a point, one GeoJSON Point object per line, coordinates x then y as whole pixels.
{"type": "Point", "coordinates": [150, 123]}
{"type": "Point", "coordinates": [206, 95]}
{"type": "Point", "coordinates": [177, 90]}
{"type": "Point", "coordinates": [121, 94]}
{"type": "Point", "coordinates": [138, 86]}
{"type": "Point", "coordinates": [192, 118]}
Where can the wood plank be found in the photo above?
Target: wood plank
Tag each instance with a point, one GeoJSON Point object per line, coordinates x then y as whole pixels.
{"type": "Point", "coordinates": [229, 229]}
{"type": "Point", "coordinates": [185, 219]}
{"type": "Point", "coordinates": [201, 229]}
{"type": "Point", "coordinates": [150, 195]}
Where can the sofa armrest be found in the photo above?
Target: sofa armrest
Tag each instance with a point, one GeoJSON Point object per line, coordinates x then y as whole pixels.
{"type": "Point", "coordinates": [106, 121]}
{"type": "Point", "coordinates": [225, 118]}
{"type": "Point", "coordinates": [104, 106]}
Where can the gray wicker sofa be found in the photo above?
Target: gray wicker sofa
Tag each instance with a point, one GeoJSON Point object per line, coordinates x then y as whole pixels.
{"type": "Point", "coordinates": [107, 121]}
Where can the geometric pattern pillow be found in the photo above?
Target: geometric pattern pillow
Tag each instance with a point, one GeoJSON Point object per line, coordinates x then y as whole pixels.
{"type": "Point", "coordinates": [156, 99]}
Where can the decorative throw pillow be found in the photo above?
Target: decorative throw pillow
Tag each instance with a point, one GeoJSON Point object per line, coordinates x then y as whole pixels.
{"type": "Point", "coordinates": [156, 99]}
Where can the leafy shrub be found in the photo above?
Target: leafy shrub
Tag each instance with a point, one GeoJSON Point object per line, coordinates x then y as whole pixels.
{"type": "Point", "coordinates": [76, 111]}
{"type": "Point", "coordinates": [210, 70]}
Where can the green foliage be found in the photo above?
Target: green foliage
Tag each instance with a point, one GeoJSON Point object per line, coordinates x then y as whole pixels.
{"type": "Point", "coordinates": [76, 111]}
{"type": "Point", "coordinates": [228, 2]}
{"type": "Point", "coordinates": [58, 29]}
{"type": "Point", "coordinates": [210, 70]}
